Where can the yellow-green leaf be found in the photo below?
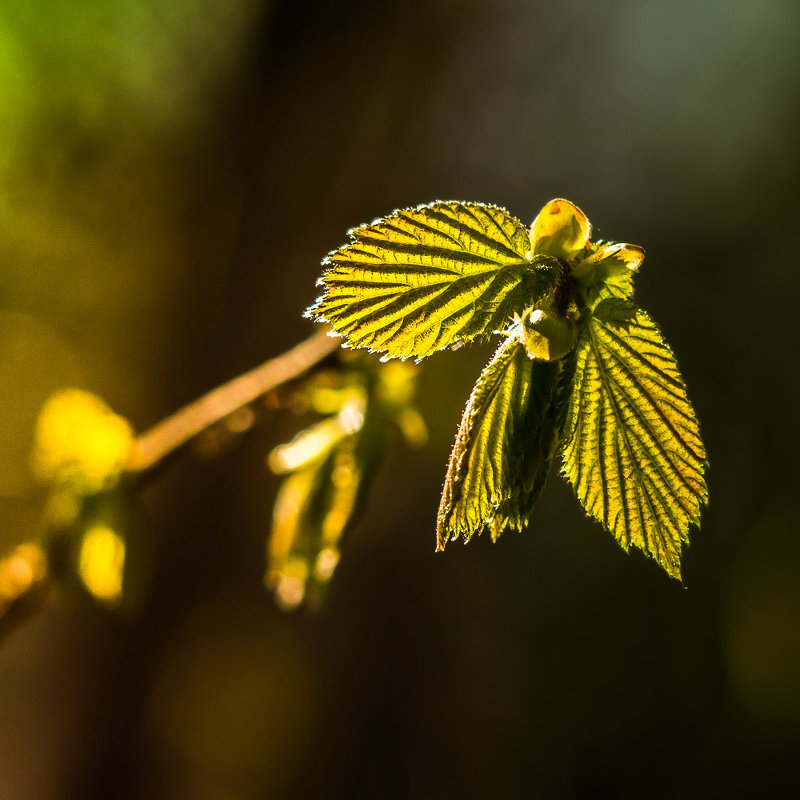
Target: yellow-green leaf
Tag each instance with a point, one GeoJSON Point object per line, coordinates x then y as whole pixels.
{"type": "Point", "coordinates": [615, 311]}
{"type": "Point", "coordinates": [608, 271]}
{"type": "Point", "coordinates": [427, 278]}
{"type": "Point", "coordinates": [632, 448]}
{"type": "Point", "coordinates": [503, 448]}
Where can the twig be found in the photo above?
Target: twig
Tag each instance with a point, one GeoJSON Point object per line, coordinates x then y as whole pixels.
{"type": "Point", "coordinates": [174, 431]}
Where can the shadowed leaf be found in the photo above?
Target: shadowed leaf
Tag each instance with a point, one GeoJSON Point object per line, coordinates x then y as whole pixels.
{"type": "Point", "coordinates": [503, 448]}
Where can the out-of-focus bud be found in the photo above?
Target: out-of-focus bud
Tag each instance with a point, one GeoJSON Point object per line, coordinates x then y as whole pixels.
{"type": "Point", "coordinates": [80, 441]}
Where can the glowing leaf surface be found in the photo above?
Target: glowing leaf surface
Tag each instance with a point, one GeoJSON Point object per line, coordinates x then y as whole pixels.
{"type": "Point", "coordinates": [427, 278]}
{"type": "Point", "coordinates": [632, 449]}
{"type": "Point", "coordinates": [582, 368]}
{"type": "Point", "coordinates": [608, 271]}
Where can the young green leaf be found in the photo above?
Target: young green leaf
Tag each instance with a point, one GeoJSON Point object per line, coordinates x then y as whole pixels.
{"type": "Point", "coordinates": [427, 278]}
{"type": "Point", "coordinates": [608, 271]}
{"type": "Point", "coordinates": [632, 449]}
{"type": "Point", "coordinates": [503, 449]}
{"type": "Point", "coordinates": [615, 311]}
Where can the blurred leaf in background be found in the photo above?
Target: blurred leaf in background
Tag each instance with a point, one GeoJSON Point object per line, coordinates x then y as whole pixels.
{"type": "Point", "coordinates": [329, 467]}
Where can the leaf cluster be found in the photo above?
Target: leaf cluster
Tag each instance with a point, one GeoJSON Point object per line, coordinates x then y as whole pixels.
{"type": "Point", "coordinates": [581, 370]}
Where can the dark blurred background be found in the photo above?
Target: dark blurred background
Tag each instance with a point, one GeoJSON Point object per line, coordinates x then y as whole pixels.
{"type": "Point", "coordinates": [172, 174]}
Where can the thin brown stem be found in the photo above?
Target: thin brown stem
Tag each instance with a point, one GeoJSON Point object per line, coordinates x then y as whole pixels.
{"type": "Point", "coordinates": [176, 430]}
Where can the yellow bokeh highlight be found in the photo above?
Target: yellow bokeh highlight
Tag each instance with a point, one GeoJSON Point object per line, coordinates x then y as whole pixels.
{"type": "Point", "coordinates": [306, 447]}
{"type": "Point", "coordinates": [413, 427]}
{"type": "Point", "coordinates": [101, 563]}
{"type": "Point", "coordinates": [81, 441]}
{"type": "Point", "coordinates": [21, 571]}
{"type": "Point", "coordinates": [326, 563]}
{"type": "Point", "coordinates": [289, 583]}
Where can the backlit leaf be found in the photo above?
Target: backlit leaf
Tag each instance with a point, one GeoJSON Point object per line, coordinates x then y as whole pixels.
{"type": "Point", "coordinates": [632, 449]}
{"type": "Point", "coordinates": [430, 277]}
{"type": "Point", "coordinates": [608, 270]}
{"type": "Point", "coordinates": [503, 448]}
{"type": "Point", "coordinates": [615, 311]}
